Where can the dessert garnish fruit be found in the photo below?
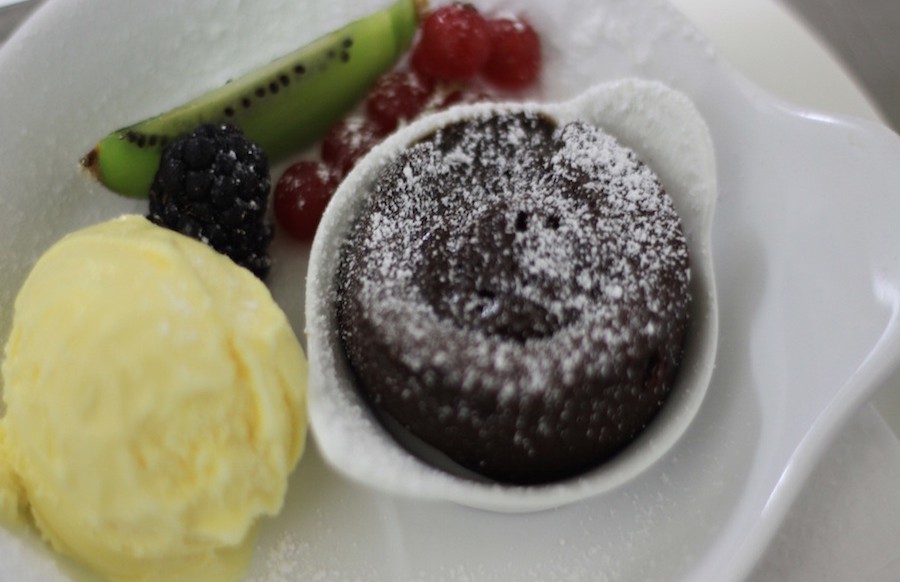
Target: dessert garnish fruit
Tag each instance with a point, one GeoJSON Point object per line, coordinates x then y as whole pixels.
{"type": "Point", "coordinates": [515, 294]}
{"type": "Point", "coordinates": [458, 44]}
{"type": "Point", "coordinates": [398, 97]}
{"type": "Point", "coordinates": [154, 404]}
{"type": "Point", "coordinates": [515, 60]}
{"type": "Point", "coordinates": [302, 194]}
{"type": "Point", "coordinates": [283, 106]}
{"type": "Point", "coordinates": [213, 185]}
{"type": "Point", "coordinates": [305, 97]}
{"type": "Point", "coordinates": [455, 43]}
{"type": "Point", "coordinates": [460, 56]}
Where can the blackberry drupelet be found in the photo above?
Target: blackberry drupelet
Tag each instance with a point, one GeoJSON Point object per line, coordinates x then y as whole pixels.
{"type": "Point", "coordinates": [213, 185]}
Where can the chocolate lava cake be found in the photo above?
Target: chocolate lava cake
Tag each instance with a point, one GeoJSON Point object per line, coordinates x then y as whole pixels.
{"type": "Point", "coordinates": [514, 293]}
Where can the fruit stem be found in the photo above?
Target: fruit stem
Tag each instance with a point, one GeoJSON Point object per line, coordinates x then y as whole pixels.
{"type": "Point", "coordinates": [89, 162]}
{"type": "Point", "coordinates": [421, 9]}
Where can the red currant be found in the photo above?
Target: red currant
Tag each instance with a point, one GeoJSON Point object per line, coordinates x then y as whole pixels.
{"type": "Point", "coordinates": [301, 195]}
{"type": "Point", "coordinates": [398, 96]}
{"type": "Point", "coordinates": [462, 95]}
{"type": "Point", "coordinates": [515, 59]}
{"type": "Point", "coordinates": [348, 141]}
{"type": "Point", "coordinates": [454, 44]}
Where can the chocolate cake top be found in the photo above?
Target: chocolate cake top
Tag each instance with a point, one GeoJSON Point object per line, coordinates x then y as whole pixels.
{"type": "Point", "coordinates": [537, 254]}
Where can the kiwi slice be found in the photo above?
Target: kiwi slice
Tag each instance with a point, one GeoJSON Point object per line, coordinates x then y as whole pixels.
{"type": "Point", "coordinates": [284, 106]}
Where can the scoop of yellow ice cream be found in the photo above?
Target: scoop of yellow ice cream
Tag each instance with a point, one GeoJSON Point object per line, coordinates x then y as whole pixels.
{"type": "Point", "coordinates": [155, 402]}
{"type": "Point", "coordinates": [12, 500]}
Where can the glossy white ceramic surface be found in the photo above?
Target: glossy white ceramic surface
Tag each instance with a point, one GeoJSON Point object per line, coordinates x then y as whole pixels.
{"type": "Point", "coordinates": [804, 246]}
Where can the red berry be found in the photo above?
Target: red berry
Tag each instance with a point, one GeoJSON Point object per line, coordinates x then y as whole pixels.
{"type": "Point", "coordinates": [348, 141]}
{"type": "Point", "coordinates": [454, 44]}
{"type": "Point", "coordinates": [301, 195]}
{"type": "Point", "coordinates": [460, 96]}
{"type": "Point", "coordinates": [398, 96]}
{"type": "Point", "coordinates": [418, 61]}
{"type": "Point", "coordinates": [515, 59]}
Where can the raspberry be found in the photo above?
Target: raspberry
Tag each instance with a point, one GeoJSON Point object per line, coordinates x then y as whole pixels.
{"type": "Point", "coordinates": [213, 185]}
{"type": "Point", "coordinates": [454, 44]}
{"type": "Point", "coordinates": [515, 59]}
{"type": "Point", "coordinates": [301, 195]}
{"type": "Point", "coordinates": [348, 141]}
{"type": "Point", "coordinates": [398, 96]}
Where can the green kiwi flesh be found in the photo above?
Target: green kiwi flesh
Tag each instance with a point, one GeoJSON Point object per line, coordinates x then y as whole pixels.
{"type": "Point", "coordinates": [284, 106]}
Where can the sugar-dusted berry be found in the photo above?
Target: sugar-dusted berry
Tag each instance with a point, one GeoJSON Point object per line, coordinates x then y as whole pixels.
{"type": "Point", "coordinates": [515, 57]}
{"type": "Point", "coordinates": [301, 195]}
{"type": "Point", "coordinates": [398, 96]}
{"type": "Point", "coordinates": [454, 44]}
{"type": "Point", "coordinates": [348, 141]}
{"type": "Point", "coordinates": [459, 96]}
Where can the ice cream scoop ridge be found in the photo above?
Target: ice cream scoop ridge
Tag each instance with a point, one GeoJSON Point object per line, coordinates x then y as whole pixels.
{"type": "Point", "coordinates": [155, 403]}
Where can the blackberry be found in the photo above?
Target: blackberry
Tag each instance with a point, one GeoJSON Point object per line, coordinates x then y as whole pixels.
{"type": "Point", "coordinates": [213, 185]}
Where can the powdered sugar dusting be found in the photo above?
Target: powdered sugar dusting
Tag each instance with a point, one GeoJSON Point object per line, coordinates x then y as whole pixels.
{"type": "Point", "coordinates": [515, 293]}
{"type": "Point", "coordinates": [598, 260]}
{"type": "Point", "coordinates": [290, 558]}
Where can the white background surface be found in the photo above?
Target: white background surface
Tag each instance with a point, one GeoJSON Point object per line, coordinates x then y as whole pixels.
{"type": "Point", "coordinates": [792, 63]}
{"type": "Point", "coordinates": [795, 64]}
{"type": "Point", "coordinates": [846, 524]}
{"type": "Point", "coordinates": [774, 49]}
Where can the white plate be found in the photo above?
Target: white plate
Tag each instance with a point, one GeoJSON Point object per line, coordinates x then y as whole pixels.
{"type": "Point", "coordinates": [805, 248]}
